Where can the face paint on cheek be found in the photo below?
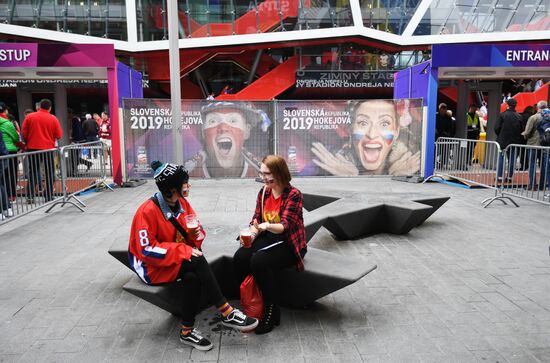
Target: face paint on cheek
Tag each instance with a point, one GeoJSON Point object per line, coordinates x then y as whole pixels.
{"type": "Point", "coordinates": [210, 134]}
{"type": "Point", "coordinates": [222, 128]}
{"type": "Point", "coordinates": [388, 136]}
{"type": "Point", "coordinates": [357, 135]}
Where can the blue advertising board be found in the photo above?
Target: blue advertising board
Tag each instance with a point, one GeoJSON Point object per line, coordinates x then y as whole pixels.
{"type": "Point", "coordinates": [491, 55]}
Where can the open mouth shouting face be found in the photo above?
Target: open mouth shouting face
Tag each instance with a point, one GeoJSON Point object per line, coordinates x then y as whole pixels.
{"type": "Point", "coordinates": [225, 132]}
{"type": "Point", "coordinates": [374, 131]}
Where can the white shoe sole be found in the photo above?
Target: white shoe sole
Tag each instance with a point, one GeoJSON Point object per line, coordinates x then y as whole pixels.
{"type": "Point", "coordinates": [242, 328]}
{"type": "Point", "coordinates": [203, 348]}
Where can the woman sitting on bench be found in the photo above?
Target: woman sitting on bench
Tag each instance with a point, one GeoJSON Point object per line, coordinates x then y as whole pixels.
{"type": "Point", "coordinates": [165, 247]}
{"type": "Point", "coordinates": [278, 237]}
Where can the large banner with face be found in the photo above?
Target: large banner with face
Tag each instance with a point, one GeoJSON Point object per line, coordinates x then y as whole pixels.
{"type": "Point", "coordinates": [350, 138]}
{"type": "Point", "coordinates": [220, 138]}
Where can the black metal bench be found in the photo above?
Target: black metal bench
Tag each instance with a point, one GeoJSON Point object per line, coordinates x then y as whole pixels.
{"type": "Point", "coordinates": [324, 273]}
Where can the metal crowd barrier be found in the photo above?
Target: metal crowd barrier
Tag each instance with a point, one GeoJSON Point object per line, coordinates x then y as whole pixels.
{"type": "Point", "coordinates": [519, 170]}
{"type": "Point", "coordinates": [108, 159]}
{"type": "Point", "coordinates": [28, 181]}
{"type": "Point", "coordinates": [33, 180]}
{"type": "Point", "coordinates": [526, 173]}
{"type": "Point", "coordinates": [79, 173]}
{"type": "Point", "coordinates": [470, 161]}
{"type": "Point", "coordinates": [473, 162]}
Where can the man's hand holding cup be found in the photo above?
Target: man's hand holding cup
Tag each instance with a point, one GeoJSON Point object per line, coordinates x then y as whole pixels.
{"type": "Point", "coordinates": [192, 224]}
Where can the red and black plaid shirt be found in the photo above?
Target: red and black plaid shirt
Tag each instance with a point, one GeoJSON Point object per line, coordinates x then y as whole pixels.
{"type": "Point", "coordinates": [292, 219]}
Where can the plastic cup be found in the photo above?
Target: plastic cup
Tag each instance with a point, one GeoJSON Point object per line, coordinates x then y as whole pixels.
{"type": "Point", "coordinates": [192, 223]}
{"type": "Point", "coordinates": [246, 236]}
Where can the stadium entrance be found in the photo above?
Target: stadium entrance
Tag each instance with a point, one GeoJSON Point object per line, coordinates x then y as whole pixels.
{"type": "Point", "coordinates": [469, 64]}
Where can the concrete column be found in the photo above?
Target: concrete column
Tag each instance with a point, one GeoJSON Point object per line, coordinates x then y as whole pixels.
{"type": "Point", "coordinates": [175, 81]}
{"type": "Point", "coordinates": [493, 111]}
{"type": "Point", "coordinates": [24, 101]}
{"type": "Point", "coordinates": [60, 103]}
{"type": "Point", "coordinates": [462, 109]}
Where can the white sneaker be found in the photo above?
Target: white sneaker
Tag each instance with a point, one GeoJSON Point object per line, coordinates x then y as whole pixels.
{"type": "Point", "coordinates": [196, 340]}
{"type": "Point", "coordinates": [8, 212]}
{"type": "Point", "coordinates": [236, 319]}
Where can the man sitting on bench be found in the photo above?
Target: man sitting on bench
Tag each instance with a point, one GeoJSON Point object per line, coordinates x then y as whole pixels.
{"type": "Point", "coordinates": [165, 247]}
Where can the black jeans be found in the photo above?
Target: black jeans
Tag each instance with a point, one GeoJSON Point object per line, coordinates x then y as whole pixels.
{"type": "Point", "coordinates": [93, 151]}
{"type": "Point", "coordinates": [195, 275]}
{"type": "Point", "coordinates": [36, 161]}
{"type": "Point", "coordinates": [4, 201]}
{"type": "Point", "coordinates": [262, 264]}
{"type": "Point", "coordinates": [74, 161]}
{"type": "Point", "coordinates": [10, 175]}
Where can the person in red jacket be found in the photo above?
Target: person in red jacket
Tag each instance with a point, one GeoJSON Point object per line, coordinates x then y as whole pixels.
{"type": "Point", "coordinates": [105, 135]}
{"type": "Point", "coordinates": [41, 129]}
{"type": "Point", "coordinates": [159, 253]}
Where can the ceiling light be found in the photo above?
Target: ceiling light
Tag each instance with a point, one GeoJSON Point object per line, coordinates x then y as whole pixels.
{"type": "Point", "coordinates": [11, 74]}
{"type": "Point", "coordinates": [470, 74]}
{"type": "Point", "coordinates": [65, 74]}
{"type": "Point", "coordinates": [529, 74]}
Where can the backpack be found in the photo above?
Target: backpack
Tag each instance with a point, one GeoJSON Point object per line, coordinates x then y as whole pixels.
{"type": "Point", "coordinates": [3, 148]}
{"type": "Point", "coordinates": [544, 128]}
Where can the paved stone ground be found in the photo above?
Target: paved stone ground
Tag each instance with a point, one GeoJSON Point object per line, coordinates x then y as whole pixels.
{"type": "Point", "coordinates": [471, 284]}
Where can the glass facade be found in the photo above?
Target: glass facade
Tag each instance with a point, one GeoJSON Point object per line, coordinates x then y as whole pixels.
{"type": "Point", "coordinates": [484, 16]}
{"type": "Point", "coordinates": [206, 18]}
{"type": "Point", "coordinates": [98, 18]}
{"type": "Point", "coordinates": [200, 18]}
{"type": "Point", "coordinates": [391, 16]}
{"type": "Point", "coordinates": [317, 14]}
{"type": "Point", "coordinates": [346, 57]}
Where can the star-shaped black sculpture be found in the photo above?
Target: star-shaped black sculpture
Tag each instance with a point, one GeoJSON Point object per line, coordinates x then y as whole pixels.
{"type": "Point", "coordinates": [353, 216]}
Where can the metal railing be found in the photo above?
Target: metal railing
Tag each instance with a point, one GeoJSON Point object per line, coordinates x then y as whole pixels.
{"type": "Point", "coordinates": [519, 170]}
{"type": "Point", "coordinates": [525, 172]}
{"type": "Point", "coordinates": [360, 59]}
{"type": "Point", "coordinates": [471, 161]}
{"type": "Point", "coordinates": [28, 181]}
{"type": "Point", "coordinates": [37, 179]}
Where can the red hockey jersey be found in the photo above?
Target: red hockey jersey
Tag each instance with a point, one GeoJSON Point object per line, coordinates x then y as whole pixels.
{"type": "Point", "coordinates": [156, 250]}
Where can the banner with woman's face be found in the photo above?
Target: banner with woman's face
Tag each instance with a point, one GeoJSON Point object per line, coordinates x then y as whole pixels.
{"type": "Point", "coordinates": [317, 138]}
{"type": "Point", "coordinates": [349, 138]}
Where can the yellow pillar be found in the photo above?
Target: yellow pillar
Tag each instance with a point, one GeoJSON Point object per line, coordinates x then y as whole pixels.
{"type": "Point", "coordinates": [479, 151]}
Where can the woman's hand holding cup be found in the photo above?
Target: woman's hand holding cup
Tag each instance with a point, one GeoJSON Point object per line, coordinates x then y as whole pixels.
{"type": "Point", "coordinates": [246, 235]}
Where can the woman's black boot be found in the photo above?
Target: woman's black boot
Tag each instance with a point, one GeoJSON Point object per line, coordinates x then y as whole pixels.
{"type": "Point", "coordinates": [270, 317]}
